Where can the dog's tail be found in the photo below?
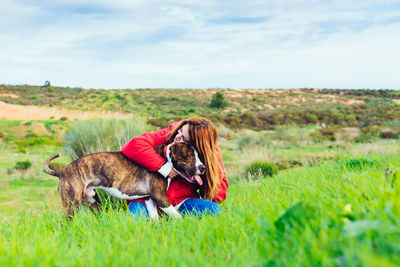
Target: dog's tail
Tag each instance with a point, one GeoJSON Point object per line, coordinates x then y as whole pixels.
{"type": "Point", "coordinates": [47, 168]}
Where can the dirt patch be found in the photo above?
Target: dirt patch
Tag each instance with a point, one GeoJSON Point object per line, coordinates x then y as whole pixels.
{"type": "Point", "coordinates": [39, 128]}
{"type": "Point", "coordinates": [30, 112]}
{"type": "Point", "coordinates": [268, 106]}
{"type": "Point", "coordinates": [59, 131]}
{"type": "Point", "coordinates": [354, 101]}
{"type": "Point", "coordinates": [9, 95]}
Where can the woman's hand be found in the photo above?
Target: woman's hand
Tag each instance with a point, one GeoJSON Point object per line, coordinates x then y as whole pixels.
{"type": "Point", "coordinates": [172, 174]}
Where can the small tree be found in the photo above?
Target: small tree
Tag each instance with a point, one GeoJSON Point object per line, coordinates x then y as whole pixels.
{"type": "Point", "coordinates": [23, 165]}
{"type": "Point", "coordinates": [218, 101]}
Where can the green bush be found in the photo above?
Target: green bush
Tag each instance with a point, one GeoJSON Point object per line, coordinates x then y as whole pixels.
{"type": "Point", "coordinates": [317, 136]}
{"type": "Point", "coordinates": [23, 165]}
{"type": "Point", "coordinates": [327, 132]}
{"type": "Point", "coordinates": [389, 135]}
{"type": "Point", "coordinates": [158, 122]}
{"type": "Point", "coordinates": [32, 141]}
{"type": "Point", "coordinates": [368, 133]}
{"type": "Point", "coordinates": [395, 124]}
{"type": "Point", "coordinates": [357, 164]}
{"type": "Point", "coordinates": [31, 134]}
{"type": "Point", "coordinates": [245, 141]}
{"type": "Point", "coordinates": [218, 101]}
{"type": "Point", "coordinates": [289, 164]}
{"type": "Point", "coordinates": [311, 118]}
{"type": "Point", "coordinates": [85, 137]}
{"type": "Point", "coordinates": [261, 169]}
{"type": "Point", "coordinates": [250, 120]}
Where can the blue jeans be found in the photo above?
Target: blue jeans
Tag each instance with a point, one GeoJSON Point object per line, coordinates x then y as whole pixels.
{"type": "Point", "coordinates": [191, 206]}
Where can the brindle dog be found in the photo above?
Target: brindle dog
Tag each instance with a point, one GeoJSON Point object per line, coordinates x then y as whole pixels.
{"type": "Point", "coordinates": [123, 178]}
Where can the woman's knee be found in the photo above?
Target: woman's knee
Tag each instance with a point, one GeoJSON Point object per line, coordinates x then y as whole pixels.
{"type": "Point", "coordinates": [198, 206]}
{"type": "Point", "coordinates": [138, 210]}
{"type": "Point", "coordinates": [215, 208]}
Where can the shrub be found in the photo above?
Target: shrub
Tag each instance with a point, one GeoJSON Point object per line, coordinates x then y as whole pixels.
{"type": "Point", "coordinates": [32, 141]}
{"type": "Point", "coordinates": [328, 132]}
{"type": "Point", "coordinates": [395, 124]}
{"type": "Point", "coordinates": [23, 165]}
{"type": "Point", "coordinates": [357, 164]}
{"type": "Point", "coordinates": [218, 101]}
{"type": "Point", "coordinates": [368, 133]}
{"type": "Point", "coordinates": [288, 164]}
{"type": "Point", "coordinates": [232, 121]}
{"type": "Point", "coordinates": [31, 134]}
{"type": "Point", "coordinates": [311, 118]}
{"type": "Point", "coordinates": [261, 169]}
{"type": "Point", "coordinates": [63, 118]}
{"type": "Point", "coordinates": [389, 135]}
{"type": "Point", "coordinates": [251, 120]}
{"type": "Point", "coordinates": [158, 122]}
{"type": "Point", "coordinates": [85, 137]}
{"type": "Point", "coordinates": [289, 135]}
{"type": "Point", "coordinates": [317, 136]}
{"type": "Point", "coordinates": [245, 141]}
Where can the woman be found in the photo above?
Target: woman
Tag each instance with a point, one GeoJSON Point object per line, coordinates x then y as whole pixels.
{"type": "Point", "coordinates": [185, 196]}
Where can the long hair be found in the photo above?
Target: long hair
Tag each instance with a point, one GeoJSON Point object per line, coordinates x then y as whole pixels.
{"type": "Point", "coordinates": [203, 136]}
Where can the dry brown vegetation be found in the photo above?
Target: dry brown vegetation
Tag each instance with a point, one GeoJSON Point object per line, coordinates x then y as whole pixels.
{"type": "Point", "coordinates": [32, 112]}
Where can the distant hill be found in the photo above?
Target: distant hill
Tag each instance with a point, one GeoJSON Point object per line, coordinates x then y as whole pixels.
{"type": "Point", "coordinates": [258, 109]}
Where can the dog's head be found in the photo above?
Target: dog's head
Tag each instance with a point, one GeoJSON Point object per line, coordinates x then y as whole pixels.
{"type": "Point", "coordinates": [186, 161]}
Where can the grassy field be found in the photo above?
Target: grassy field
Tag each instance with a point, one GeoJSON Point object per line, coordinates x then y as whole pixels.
{"type": "Point", "coordinates": [344, 213]}
{"type": "Point", "coordinates": [255, 109]}
{"type": "Point", "coordinates": [330, 204]}
{"type": "Point", "coordinates": [316, 192]}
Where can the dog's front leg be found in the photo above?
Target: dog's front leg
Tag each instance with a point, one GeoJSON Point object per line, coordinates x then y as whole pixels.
{"type": "Point", "coordinates": [163, 202]}
{"type": "Point", "coordinates": [171, 211]}
{"type": "Point", "coordinates": [152, 209]}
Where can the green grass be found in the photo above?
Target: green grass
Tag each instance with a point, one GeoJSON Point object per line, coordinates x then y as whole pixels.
{"type": "Point", "coordinates": [341, 210]}
{"type": "Point", "coordinates": [27, 189]}
{"type": "Point", "coordinates": [327, 215]}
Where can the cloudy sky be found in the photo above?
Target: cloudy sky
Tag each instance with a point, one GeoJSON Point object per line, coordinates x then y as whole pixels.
{"type": "Point", "coordinates": [201, 44]}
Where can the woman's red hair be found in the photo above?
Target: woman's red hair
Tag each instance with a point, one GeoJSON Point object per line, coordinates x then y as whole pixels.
{"type": "Point", "coordinates": [203, 136]}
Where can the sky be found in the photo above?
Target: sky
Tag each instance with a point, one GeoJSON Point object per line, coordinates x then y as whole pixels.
{"type": "Point", "coordinates": [117, 44]}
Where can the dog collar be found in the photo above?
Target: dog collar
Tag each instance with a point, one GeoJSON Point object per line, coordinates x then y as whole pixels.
{"type": "Point", "coordinates": [168, 155]}
{"type": "Point", "coordinates": [166, 148]}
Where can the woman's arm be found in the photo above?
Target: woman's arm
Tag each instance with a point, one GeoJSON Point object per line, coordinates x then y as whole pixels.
{"type": "Point", "coordinates": [140, 149]}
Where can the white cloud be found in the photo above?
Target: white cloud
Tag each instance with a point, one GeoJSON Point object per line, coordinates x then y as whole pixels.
{"type": "Point", "coordinates": [201, 44]}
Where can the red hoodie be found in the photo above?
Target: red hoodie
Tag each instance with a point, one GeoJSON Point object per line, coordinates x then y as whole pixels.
{"type": "Point", "coordinates": [140, 149]}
